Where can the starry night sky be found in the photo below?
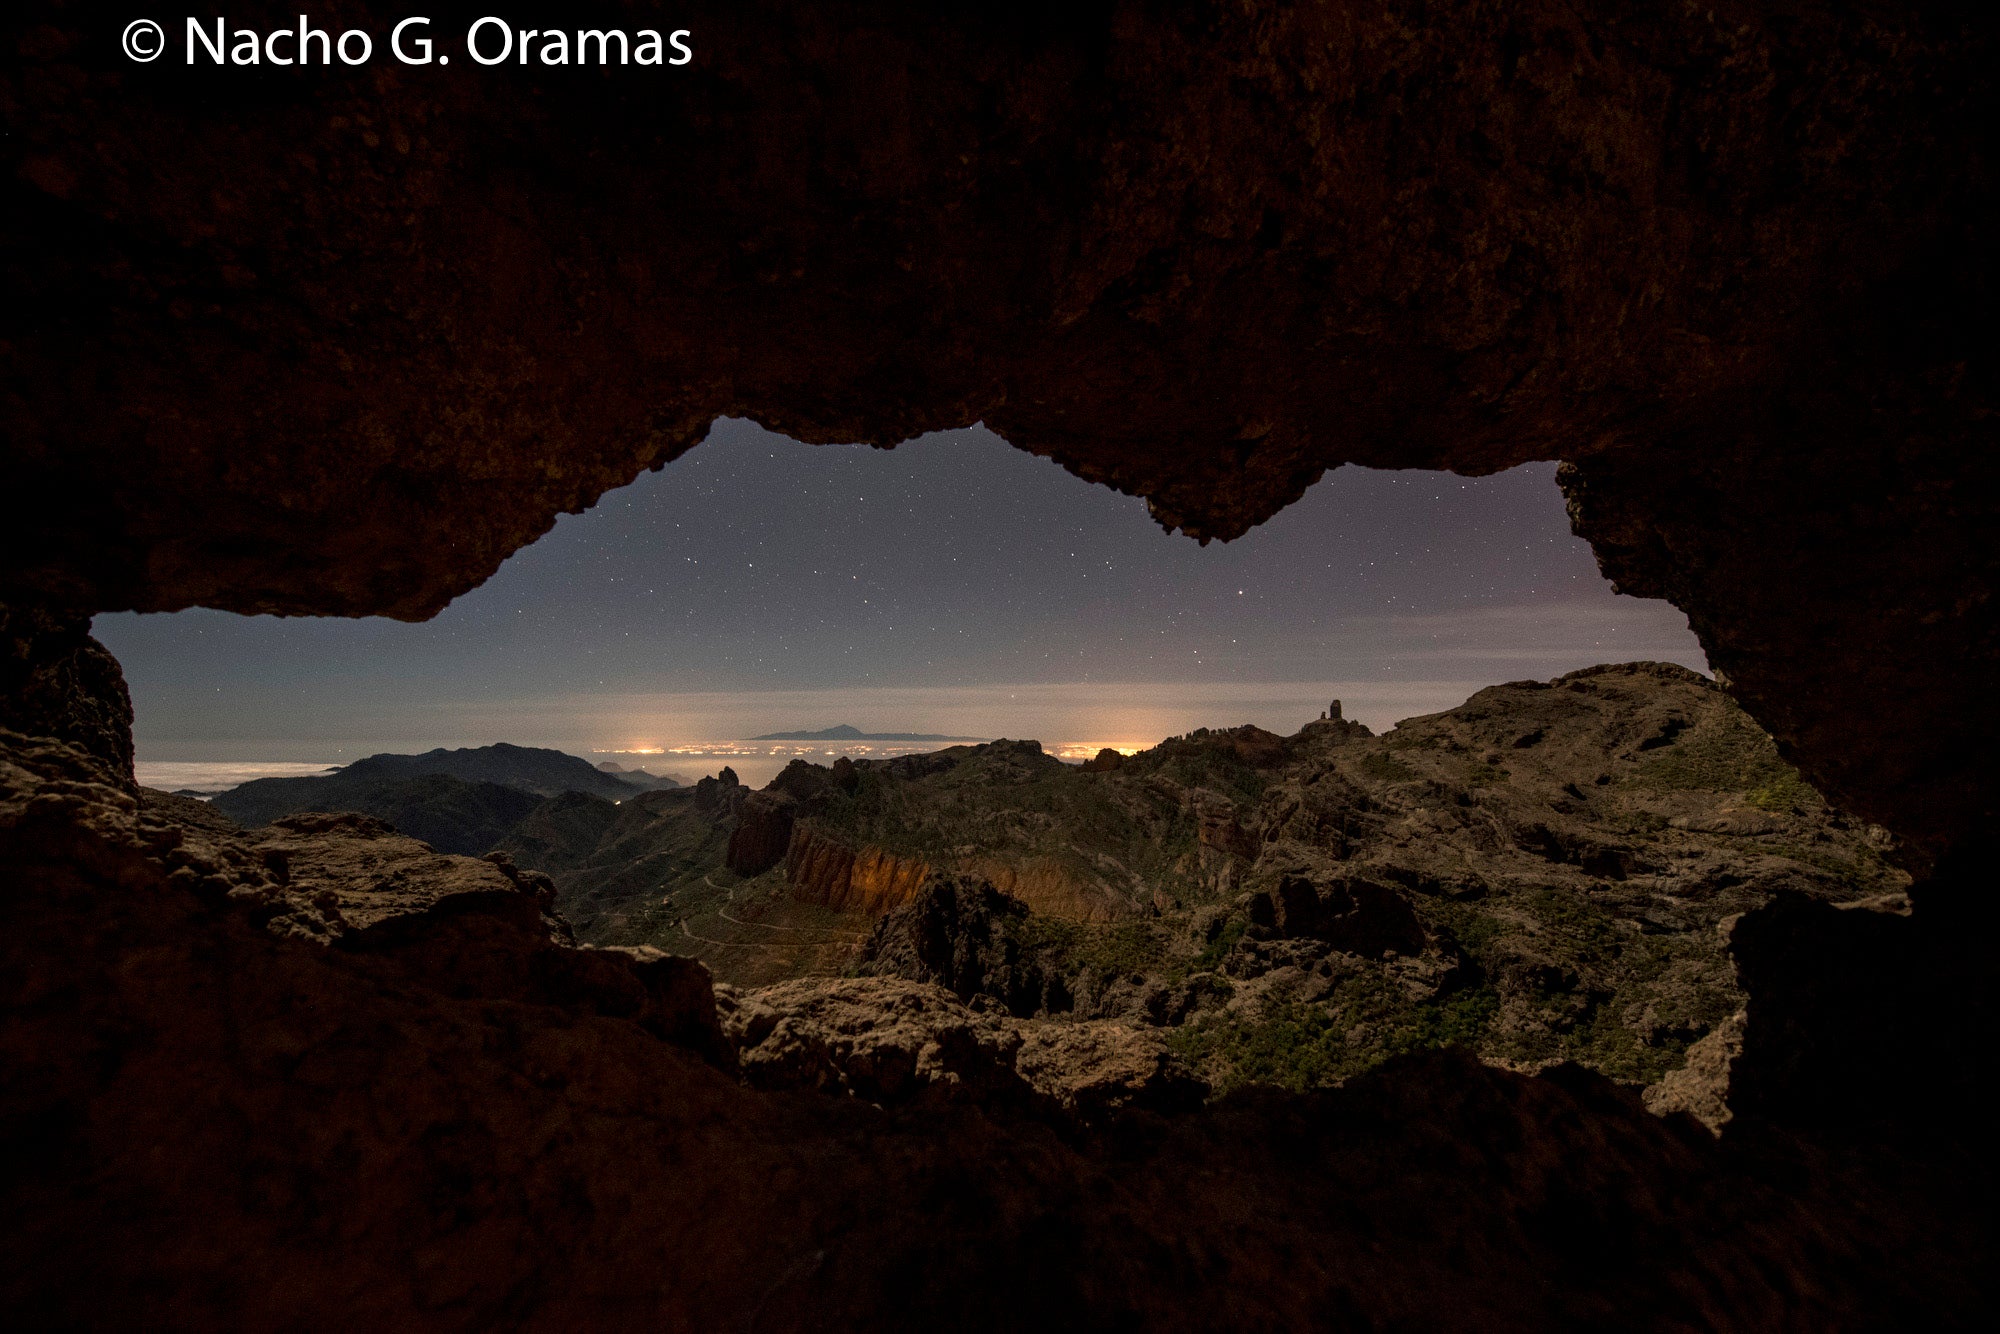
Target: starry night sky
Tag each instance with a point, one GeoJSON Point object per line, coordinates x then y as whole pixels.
{"type": "Point", "coordinates": [953, 585]}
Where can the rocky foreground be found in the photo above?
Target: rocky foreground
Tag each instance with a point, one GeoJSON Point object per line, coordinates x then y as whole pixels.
{"type": "Point", "coordinates": [1548, 873]}
{"type": "Point", "coordinates": [317, 1073]}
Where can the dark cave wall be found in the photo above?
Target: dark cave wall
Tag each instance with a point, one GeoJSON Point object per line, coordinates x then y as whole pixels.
{"type": "Point", "coordinates": [337, 342]}
{"type": "Point", "coordinates": [56, 681]}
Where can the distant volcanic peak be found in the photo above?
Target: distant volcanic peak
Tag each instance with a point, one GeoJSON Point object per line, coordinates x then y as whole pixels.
{"type": "Point", "coordinates": [847, 732]}
{"type": "Point", "coordinates": [533, 769]}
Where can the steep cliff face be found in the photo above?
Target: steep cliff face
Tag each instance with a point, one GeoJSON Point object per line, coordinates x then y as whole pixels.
{"type": "Point", "coordinates": [1051, 885]}
{"type": "Point", "coordinates": [821, 870]}
{"type": "Point", "coordinates": [763, 833]}
{"type": "Point", "coordinates": [967, 937]}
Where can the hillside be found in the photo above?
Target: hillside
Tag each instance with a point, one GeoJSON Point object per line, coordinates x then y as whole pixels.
{"type": "Point", "coordinates": [405, 788]}
{"type": "Point", "coordinates": [1544, 873]}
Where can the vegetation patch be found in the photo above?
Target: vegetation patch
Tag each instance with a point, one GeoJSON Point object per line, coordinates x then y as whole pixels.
{"type": "Point", "coordinates": [1386, 767]}
{"type": "Point", "coordinates": [1304, 1046]}
{"type": "Point", "coordinates": [1787, 792]}
{"type": "Point", "coordinates": [1211, 954]}
{"type": "Point", "coordinates": [1726, 754]}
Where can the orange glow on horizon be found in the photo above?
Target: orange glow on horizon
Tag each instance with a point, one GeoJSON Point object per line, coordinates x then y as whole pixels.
{"type": "Point", "coordinates": [739, 749]}
{"type": "Point", "coordinates": [1087, 750]}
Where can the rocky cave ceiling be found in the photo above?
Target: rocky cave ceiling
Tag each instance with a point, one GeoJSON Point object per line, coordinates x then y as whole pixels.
{"type": "Point", "coordinates": [337, 342]}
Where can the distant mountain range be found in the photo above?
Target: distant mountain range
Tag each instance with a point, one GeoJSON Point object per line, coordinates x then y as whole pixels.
{"type": "Point", "coordinates": [844, 732]}
{"type": "Point", "coordinates": [455, 800]}
{"type": "Point", "coordinates": [639, 777]}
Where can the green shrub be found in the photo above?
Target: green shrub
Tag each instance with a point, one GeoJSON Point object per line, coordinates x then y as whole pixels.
{"type": "Point", "coordinates": [1379, 764]}
{"type": "Point", "coordinates": [1211, 954]}
{"type": "Point", "coordinates": [1299, 1047]}
{"type": "Point", "coordinates": [1785, 792]}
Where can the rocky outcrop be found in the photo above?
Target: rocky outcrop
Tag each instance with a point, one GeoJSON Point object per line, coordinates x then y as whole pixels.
{"type": "Point", "coordinates": [763, 835]}
{"type": "Point", "coordinates": [821, 870]}
{"type": "Point", "coordinates": [1105, 761]}
{"type": "Point", "coordinates": [190, 813]}
{"type": "Point", "coordinates": [361, 871]}
{"type": "Point", "coordinates": [1350, 914]}
{"type": "Point", "coordinates": [56, 681]}
{"type": "Point", "coordinates": [1545, 873]}
{"type": "Point", "coordinates": [878, 1039]}
{"type": "Point", "coordinates": [377, 1128]}
{"type": "Point", "coordinates": [1093, 1069]}
{"type": "Point", "coordinates": [966, 936]}
{"type": "Point", "coordinates": [1700, 1087]}
{"type": "Point", "coordinates": [889, 1040]}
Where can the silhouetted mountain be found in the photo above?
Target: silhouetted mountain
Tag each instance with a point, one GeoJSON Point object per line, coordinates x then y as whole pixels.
{"type": "Point", "coordinates": [529, 768]}
{"type": "Point", "coordinates": [845, 732]}
{"type": "Point", "coordinates": [450, 814]}
{"type": "Point", "coordinates": [641, 778]}
{"type": "Point", "coordinates": [614, 861]}
{"type": "Point", "coordinates": [456, 800]}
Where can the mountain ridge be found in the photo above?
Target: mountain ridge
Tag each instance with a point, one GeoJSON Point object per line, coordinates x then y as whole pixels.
{"type": "Point", "coordinates": [422, 792]}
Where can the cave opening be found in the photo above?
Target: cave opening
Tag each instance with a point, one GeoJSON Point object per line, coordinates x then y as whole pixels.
{"type": "Point", "coordinates": [1194, 840]}
{"type": "Point", "coordinates": [755, 582]}
{"type": "Point", "coordinates": [340, 344]}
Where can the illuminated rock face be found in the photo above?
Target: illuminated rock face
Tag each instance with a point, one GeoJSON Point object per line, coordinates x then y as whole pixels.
{"type": "Point", "coordinates": [338, 342]}
{"type": "Point", "coordinates": [824, 871]}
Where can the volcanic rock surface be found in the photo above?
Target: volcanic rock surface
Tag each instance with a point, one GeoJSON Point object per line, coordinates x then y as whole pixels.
{"type": "Point", "coordinates": [887, 1040]}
